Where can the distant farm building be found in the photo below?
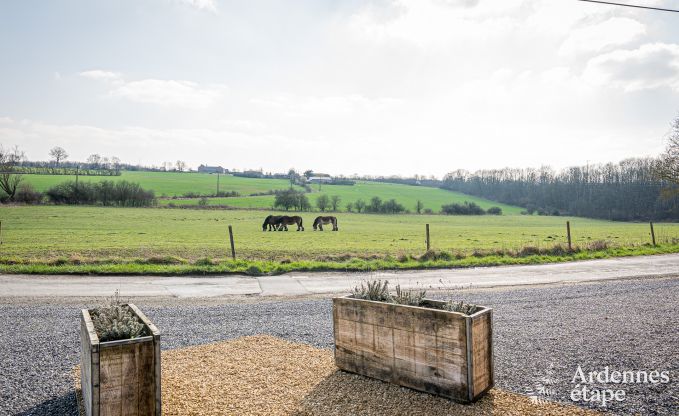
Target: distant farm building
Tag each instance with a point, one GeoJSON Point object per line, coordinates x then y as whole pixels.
{"type": "Point", "coordinates": [319, 179]}
{"type": "Point", "coordinates": [211, 169]}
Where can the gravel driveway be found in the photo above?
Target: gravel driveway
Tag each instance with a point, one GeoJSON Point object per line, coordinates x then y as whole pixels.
{"type": "Point", "coordinates": [541, 335]}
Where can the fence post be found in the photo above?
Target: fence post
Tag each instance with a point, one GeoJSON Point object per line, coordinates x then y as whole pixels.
{"type": "Point", "coordinates": [0, 232]}
{"type": "Point", "coordinates": [428, 241]}
{"type": "Point", "coordinates": [233, 249]}
{"type": "Point", "coordinates": [568, 231]}
{"type": "Point", "coordinates": [652, 234]}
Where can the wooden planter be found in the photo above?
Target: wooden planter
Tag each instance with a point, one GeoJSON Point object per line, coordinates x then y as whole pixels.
{"type": "Point", "coordinates": [444, 353]}
{"type": "Point", "coordinates": [120, 377]}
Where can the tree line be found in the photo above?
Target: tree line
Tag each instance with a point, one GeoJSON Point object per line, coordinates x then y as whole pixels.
{"type": "Point", "coordinates": [629, 190]}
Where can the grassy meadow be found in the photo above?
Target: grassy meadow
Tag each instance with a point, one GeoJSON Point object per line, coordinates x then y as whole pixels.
{"type": "Point", "coordinates": [77, 239]}
{"type": "Point", "coordinates": [174, 184]}
{"type": "Point", "coordinates": [407, 195]}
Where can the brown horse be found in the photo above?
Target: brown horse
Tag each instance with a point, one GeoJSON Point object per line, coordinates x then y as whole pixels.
{"type": "Point", "coordinates": [272, 222]}
{"type": "Point", "coordinates": [283, 221]}
{"type": "Point", "coordinates": [319, 221]}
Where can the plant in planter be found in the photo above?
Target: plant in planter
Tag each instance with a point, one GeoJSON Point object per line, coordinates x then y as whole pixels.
{"type": "Point", "coordinates": [439, 347]}
{"type": "Point", "coordinates": [119, 361]}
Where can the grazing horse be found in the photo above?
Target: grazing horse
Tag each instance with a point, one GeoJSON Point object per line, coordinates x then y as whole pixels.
{"type": "Point", "coordinates": [272, 222]}
{"type": "Point", "coordinates": [319, 221]}
{"type": "Point", "coordinates": [283, 221]}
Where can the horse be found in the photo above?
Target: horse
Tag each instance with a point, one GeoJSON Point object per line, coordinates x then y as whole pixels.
{"type": "Point", "coordinates": [272, 222]}
{"type": "Point", "coordinates": [283, 221]}
{"type": "Point", "coordinates": [319, 221]}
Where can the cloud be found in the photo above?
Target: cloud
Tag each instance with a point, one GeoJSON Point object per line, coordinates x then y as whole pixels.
{"type": "Point", "coordinates": [651, 66]}
{"type": "Point", "coordinates": [207, 5]}
{"type": "Point", "coordinates": [171, 93]}
{"type": "Point", "coordinates": [592, 38]}
{"type": "Point", "coordinates": [168, 93]}
{"type": "Point", "coordinates": [99, 75]}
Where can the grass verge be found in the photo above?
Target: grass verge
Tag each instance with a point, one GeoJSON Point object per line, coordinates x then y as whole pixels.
{"type": "Point", "coordinates": [207, 266]}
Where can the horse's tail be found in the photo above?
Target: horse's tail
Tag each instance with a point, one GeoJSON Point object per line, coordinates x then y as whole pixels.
{"type": "Point", "coordinates": [300, 222]}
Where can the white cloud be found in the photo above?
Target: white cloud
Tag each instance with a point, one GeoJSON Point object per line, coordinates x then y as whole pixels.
{"type": "Point", "coordinates": [651, 66]}
{"type": "Point", "coordinates": [207, 5]}
{"type": "Point", "coordinates": [172, 93]}
{"type": "Point", "coordinates": [100, 75]}
{"type": "Point", "coordinates": [592, 38]}
{"type": "Point", "coordinates": [168, 93]}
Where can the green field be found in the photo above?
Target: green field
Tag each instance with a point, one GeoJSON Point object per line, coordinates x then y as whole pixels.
{"type": "Point", "coordinates": [407, 195]}
{"type": "Point", "coordinates": [69, 235]}
{"type": "Point", "coordinates": [172, 183]}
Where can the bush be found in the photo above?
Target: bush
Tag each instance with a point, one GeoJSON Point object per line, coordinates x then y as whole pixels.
{"type": "Point", "coordinates": [203, 202]}
{"type": "Point", "coordinates": [27, 194]}
{"type": "Point", "coordinates": [119, 193]}
{"type": "Point", "coordinates": [116, 321]}
{"type": "Point", "coordinates": [467, 208]}
{"type": "Point", "coordinates": [494, 211]}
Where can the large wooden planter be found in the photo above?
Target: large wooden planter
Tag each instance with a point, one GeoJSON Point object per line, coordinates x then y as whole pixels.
{"type": "Point", "coordinates": [120, 377]}
{"type": "Point", "coordinates": [444, 353]}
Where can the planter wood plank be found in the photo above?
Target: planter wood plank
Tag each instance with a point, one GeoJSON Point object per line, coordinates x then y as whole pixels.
{"type": "Point", "coordinates": [444, 353]}
{"type": "Point", "coordinates": [120, 377]}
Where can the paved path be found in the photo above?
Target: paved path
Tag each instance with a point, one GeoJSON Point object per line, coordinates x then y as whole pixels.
{"type": "Point", "coordinates": [315, 283]}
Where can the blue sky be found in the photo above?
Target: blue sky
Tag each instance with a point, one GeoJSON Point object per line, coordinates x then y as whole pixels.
{"type": "Point", "coordinates": [382, 87]}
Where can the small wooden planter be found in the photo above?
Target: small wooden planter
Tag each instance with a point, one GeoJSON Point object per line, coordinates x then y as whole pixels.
{"type": "Point", "coordinates": [444, 353]}
{"type": "Point", "coordinates": [120, 377]}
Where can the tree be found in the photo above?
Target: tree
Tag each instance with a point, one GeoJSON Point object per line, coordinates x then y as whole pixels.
{"type": "Point", "coordinates": [323, 202]}
{"type": "Point", "coordinates": [292, 176]}
{"type": "Point", "coordinates": [418, 206]}
{"type": "Point", "coordinates": [58, 154]}
{"type": "Point", "coordinates": [350, 207]}
{"type": "Point", "coordinates": [375, 204]}
{"type": "Point", "coordinates": [10, 177]}
{"type": "Point", "coordinates": [359, 205]}
{"type": "Point", "coordinates": [334, 201]}
{"type": "Point", "coordinates": [115, 161]}
{"type": "Point", "coordinates": [308, 173]}
{"type": "Point", "coordinates": [181, 165]}
{"type": "Point", "coordinates": [667, 168]}
{"type": "Point", "coordinates": [94, 160]}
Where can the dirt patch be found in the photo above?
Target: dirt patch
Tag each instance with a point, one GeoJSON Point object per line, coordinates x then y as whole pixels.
{"type": "Point", "coordinates": [264, 375]}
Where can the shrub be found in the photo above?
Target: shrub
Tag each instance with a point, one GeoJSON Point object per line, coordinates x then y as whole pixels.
{"type": "Point", "coordinates": [467, 208]}
{"type": "Point", "coordinates": [494, 211]}
{"type": "Point", "coordinates": [203, 202]}
{"type": "Point", "coordinates": [461, 307]}
{"type": "Point", "coordinates": [598, 245]}
{"type": "Point", "coordinates": [116, 321]}
{"type": "Point", "coordinates": [376, 290]}
{"type": "Point", "coordinates": [27, 194]}
{"type": "Point", "coordinates": [409, 297]}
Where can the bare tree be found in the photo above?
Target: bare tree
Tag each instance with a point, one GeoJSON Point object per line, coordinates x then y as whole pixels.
{"type": "Point", "coordinates": [115, 161]}
{"type": "Point", "coordinates": [181, 165]}
{"type": "Point", "coordinates": [94, 160]}
{"type": "Point", "coordinates": [10, 177]}
{"type": "Point", "coordinates": [58, 154]}
{"type": "Point", "coordinates": [667, 168]}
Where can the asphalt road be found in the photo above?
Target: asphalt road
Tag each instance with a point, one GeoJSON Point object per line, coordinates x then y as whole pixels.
{"type": "Point", "coordinates": [541, 335]}
{"type": "Point", "coordinates": [322, 283]}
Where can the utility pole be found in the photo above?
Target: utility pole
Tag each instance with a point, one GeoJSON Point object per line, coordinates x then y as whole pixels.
{"type": "Point", "coordinates": [217, 183]}
{"type": "Point", "coordinates": [77, 171]}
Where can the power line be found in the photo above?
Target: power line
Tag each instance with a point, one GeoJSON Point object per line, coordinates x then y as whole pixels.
{"type": "Point", "coordinates": [631, 5]}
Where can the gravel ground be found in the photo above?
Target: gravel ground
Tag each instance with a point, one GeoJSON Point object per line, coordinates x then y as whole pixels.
{"type": "Point", "coordinates": [263, 375]}
{"type": "Point", "coordinates": [541, 335]}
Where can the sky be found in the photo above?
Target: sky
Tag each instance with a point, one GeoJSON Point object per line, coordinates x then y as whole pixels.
{"type": "Point", "coordinates": [344, 87]}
